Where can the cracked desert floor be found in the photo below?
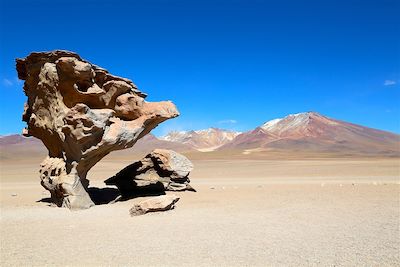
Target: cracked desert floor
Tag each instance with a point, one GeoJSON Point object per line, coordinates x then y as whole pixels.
{"type": "Point", "coordinates": [246, 212]}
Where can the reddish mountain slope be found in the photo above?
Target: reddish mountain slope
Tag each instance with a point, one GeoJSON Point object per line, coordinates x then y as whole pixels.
{"type": "Point", "coordinates": [307, 132]}
{"type": "Point", "coordinates": [312, 132]}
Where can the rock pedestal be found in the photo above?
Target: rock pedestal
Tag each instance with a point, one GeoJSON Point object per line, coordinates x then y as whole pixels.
{"type": "Point", "coordinates": [81, 113]}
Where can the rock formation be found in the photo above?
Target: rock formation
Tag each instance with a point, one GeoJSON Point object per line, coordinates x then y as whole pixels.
{"type": "Point", "coordinates": [81, 113]}
{"type": "Point", "coordinates": [160, 170]}
{"type": "Point", "coordinates": [160, 203]}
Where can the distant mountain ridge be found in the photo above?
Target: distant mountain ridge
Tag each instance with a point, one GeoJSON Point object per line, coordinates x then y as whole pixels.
{"type": "Point", "coordinates": [14, 146]}
{"type": "Point", "coordinates": [203, 140]}
{"type": "Point", "coordinates": [15, 139]}
{"type": "Point", "coordinates": [313, 132]}
{"type": "Point", "coordinates": [308, 132]}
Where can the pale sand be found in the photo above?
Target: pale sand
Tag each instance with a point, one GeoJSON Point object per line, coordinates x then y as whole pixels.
{"type": "Point", "coordinates": [245, 213]}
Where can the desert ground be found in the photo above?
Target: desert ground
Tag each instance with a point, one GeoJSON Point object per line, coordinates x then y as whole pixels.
{"type": "Point", "coordinates": [246, 212]}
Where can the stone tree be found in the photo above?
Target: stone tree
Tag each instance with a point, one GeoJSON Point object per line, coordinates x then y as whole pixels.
{"type": "Point", "coordinates": [81, 113]}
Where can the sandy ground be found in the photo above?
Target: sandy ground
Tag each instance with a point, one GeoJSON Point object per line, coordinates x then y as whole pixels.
{"type": "Point", "coordinates": [245, 213]}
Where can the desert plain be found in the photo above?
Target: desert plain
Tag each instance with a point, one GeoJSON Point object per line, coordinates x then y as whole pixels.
{"type": "Point", "coordinates": [247, 211]}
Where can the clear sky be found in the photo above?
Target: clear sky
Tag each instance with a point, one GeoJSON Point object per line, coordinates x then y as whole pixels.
{"type": "Point", "coordinates": [227, 64]}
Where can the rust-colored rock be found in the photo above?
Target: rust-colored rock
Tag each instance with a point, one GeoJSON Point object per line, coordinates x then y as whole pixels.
{"type": "Point", "coordinates": [81, 113]}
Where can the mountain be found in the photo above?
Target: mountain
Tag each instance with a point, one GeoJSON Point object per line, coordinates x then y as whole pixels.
{"type": "Point", "coordinates": [202, 140]}
{"type": "Point", "coordinates": [313, 132]}
{"type": "Point", "coordinates": [16, 146]}
{"type": "Point", "coordinates": [297, 134]}
{"type": "Point", "coordinates": [16, 139]}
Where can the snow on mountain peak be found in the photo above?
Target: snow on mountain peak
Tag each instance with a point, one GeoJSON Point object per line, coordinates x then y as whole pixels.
{"type": "Point", "coordinates": [202, 139]}
{"type": "Point", "coordinates": [295, 121]}
{"type": "Point", "coordinates": [288, 122]}
{"type": "Point", "coordinates": [270, 124]}
{"type": "Point", "coordinates": [176, 136]}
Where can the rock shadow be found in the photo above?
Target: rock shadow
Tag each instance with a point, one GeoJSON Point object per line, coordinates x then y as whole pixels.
{"type": "Point", "coordinates": [109, 195]}
{"type": "Point", "coordinates": [102, 196]}
{"type": "Point", "coordinates": [45, 200]}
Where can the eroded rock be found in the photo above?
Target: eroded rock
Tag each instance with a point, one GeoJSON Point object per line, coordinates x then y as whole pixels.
{"type": "Point", "coordinates": [160, 170]}
{"type": "Point", "coordinates": [81, 113]}
{"type": "Point", "coordinates": [160, 203]}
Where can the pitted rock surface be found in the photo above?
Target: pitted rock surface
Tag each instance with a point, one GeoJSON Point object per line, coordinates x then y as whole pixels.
{"type": "Point", "coordinates": [81, 113]}
{"type": "Point", "coordinates": [161, 170]}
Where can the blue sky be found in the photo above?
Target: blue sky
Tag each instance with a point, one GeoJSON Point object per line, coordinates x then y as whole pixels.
{"type": "Point", "coordinates": [227, 64]}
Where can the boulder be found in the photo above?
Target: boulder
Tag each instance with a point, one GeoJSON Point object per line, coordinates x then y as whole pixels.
{"type": "Point", "coordinates": [160, 203]}
{"type": "Point", "coordinates": [81, 113]}
{"type": "Point", "coordinates": [160, 170]}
